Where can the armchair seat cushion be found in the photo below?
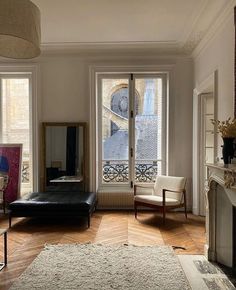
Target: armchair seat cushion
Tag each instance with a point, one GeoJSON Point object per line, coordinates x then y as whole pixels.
{"type": "Point", "coordinates": [156, 200]}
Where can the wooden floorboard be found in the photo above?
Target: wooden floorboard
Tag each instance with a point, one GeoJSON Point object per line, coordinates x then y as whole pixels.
{"type": "Point", "coordinates": [27, 237]}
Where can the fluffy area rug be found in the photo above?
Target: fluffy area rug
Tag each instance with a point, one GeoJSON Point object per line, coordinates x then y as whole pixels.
{"type": "Point", "coordinates": [100, 267]}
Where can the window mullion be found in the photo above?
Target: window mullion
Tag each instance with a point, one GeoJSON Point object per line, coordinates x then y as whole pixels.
{"type": "Point", "coordinates": [132, 128]}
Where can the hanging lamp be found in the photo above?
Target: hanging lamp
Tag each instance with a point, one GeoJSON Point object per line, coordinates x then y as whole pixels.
{"type": "Point", "coordinates": [19, 29]}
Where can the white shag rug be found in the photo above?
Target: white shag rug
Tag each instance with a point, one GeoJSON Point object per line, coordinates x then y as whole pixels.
{"type": "Point", "coordinates": [100, 267]}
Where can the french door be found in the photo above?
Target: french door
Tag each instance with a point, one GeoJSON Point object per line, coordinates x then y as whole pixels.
{"type": "Point", "coordinates": [131, 128]}
{"type": "Point", "coordinates": [208, 151]}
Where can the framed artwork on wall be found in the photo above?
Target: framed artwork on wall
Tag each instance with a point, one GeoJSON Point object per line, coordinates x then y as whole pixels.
{"type": "Point", "coordinates": [10, 170]}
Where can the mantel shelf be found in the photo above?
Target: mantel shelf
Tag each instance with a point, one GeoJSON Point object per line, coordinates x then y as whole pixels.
{"type": "Point", "coordinates": [223, 174]}
{"type": "Point", "coordinates": [222, 167]}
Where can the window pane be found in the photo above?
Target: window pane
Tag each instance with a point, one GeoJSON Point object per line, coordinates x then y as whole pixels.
{"type": "Point", "coordinates": [209, 139]}
{"type": "Point", "coordinates": [208, 124]}
{"type": "Point", "coordinates": [148, 129]}
{"type": "Point", "coordinates": [16, 124]}
{"type": "Point", "coordinates": [115, 136]}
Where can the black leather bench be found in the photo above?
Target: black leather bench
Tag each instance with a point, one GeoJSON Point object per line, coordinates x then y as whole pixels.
{"type": "Point", "coordinates": [51, 204]}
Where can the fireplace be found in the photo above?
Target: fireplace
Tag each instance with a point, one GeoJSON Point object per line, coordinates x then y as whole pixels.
{"type": "Point", "coordinates": [221, 215]}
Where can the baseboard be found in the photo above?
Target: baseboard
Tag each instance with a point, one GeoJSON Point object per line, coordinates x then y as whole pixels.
{"type": "Point", "coordinates": [121, 201]}
{"type": "Point", "coordinates": [114, 208]}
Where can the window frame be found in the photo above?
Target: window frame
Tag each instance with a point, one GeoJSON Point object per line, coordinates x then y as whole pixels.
{"type": "Point", "coordinates": [131, 85]}
{"type": "Point", "coordinates": [32, 73]}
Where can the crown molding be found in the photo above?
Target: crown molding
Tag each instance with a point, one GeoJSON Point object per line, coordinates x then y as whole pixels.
{"type": "Point", "coordinates": [188, 31]}
{"type": "Point", "coordinates": [216, 26]}
{"type": "Point", "coordinates": [111, 48]}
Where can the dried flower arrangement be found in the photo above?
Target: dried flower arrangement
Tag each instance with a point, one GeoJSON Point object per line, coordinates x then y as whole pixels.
{"type": "Point", "coordinates": [226, 128]}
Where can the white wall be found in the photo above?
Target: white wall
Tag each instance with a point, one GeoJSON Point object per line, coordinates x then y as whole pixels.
{"type": "Point", "coordinates": [214, 55]}
{"type": "Point", "coordinates": [64, 89]}
{"type": "Point", "coordinates": [181, 116]}
{"type": "Point", "coordinates": [219, 55]}
{"type": "Point", "coordinates": [65, 97]}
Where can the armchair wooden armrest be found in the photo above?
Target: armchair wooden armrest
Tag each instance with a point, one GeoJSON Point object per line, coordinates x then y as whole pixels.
{"type": "Point", "coordinates": [177, 191]}
{"type": "Point", "coordinates": [169, 190]}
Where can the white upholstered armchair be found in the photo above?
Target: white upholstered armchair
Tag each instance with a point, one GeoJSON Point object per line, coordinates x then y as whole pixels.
{"type": "Point", "coordinates": [167, 193]}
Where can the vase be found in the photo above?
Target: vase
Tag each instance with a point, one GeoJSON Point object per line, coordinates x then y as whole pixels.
{"type": "Point", "coordinates": [228, 149]}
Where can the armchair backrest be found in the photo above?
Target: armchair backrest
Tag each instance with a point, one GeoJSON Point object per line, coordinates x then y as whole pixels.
{"type": "Point", "coordinates": [171, 183]}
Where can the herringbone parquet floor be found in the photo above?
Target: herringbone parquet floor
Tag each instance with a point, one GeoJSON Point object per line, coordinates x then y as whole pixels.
{"type": "Point", "coordinates": [27, 237]}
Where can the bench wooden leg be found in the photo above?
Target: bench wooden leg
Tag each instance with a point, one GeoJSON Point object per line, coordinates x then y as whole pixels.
{"type": "Point", "coordinates": [88, 220]}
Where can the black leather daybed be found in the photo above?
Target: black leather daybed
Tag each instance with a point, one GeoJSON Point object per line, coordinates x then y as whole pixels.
{"type": "Point", "coordinates": [54, 204]}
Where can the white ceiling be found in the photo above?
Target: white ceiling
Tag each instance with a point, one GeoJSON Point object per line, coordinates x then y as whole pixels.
{"type": "Point", "coordinates": [167, 23]}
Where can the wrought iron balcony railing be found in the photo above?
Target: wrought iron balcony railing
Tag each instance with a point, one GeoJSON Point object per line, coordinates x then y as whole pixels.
{"type": "Point", "coordinates": [116, 171]}
{"type": "Point", "coordinates": [25, 172]}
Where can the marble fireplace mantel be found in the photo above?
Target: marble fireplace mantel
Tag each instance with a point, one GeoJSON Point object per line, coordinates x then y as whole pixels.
{"type": "Point", "coordinates": [220, 208]}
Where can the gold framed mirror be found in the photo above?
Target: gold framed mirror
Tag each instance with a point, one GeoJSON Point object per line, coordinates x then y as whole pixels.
{"type": "Point", "coordinates": [64, 156]}
{"type": "Point", "coordinates": [234, 61]}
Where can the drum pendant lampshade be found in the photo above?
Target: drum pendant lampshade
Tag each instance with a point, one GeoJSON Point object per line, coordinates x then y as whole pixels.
{"type": "Point", "coordinates": [19, 29]}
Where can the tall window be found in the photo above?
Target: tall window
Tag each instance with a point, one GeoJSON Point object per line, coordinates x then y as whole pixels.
{"type": "Point", "coordinates": [131, 128]}
{"type": "Point", "coordinates": [15, 123]}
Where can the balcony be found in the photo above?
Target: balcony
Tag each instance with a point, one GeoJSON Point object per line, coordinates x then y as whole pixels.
{"type": "Point", "coordinates": [117, 171]}
{"type": "Point", "coordinates": [25, 172]}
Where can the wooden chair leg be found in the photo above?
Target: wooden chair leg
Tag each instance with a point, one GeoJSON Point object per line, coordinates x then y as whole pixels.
{"type": "Point", "coordinates": [185, 205]}
{"type": "Point", "coordinates": [135, 210]}
{"type": "Point", "coordinates": [185, 209]}
{"type": "Point", "coordinates": [164, 215]}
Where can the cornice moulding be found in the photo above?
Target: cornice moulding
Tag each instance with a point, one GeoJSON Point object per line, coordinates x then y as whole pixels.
{"type": "Point", "coordinates": [132, 48]}
{"type": "Point", "coordinates": [217, 26]}
{"type": "Point", "coordinates": [189, 29]}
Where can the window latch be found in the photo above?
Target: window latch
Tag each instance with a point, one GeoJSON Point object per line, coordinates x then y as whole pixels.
{"type": "Point", "coordinates": [131, 152]}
